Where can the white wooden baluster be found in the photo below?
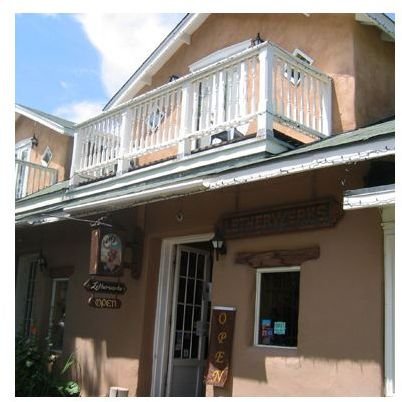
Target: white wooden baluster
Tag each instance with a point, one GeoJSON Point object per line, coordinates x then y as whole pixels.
{"type": "Point", "coordinates": [265, 118]}
{"type": "Point", "coordinates": [243, 89]}
{"type": "Point", "coordinates": [125, 126]}
{"type": "Point", "coordinates": [327, 108]}
{"type": "Point", "coordinates": [184, 147]}
{"type": "Point", "coordinates": [221, 97]}
{"type": "Point", "coordinates": [178, 112]}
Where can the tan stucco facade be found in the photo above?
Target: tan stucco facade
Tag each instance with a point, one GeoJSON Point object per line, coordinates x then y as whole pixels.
{"type": "Point", "coordinates": [61, 145]}
{"type": "Point", "coordinates": [340, 341]}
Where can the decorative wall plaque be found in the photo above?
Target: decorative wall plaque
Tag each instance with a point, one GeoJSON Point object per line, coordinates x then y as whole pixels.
{"type": "Point", "coordinates": [106, 253]}
{"type": "Point", "coordinates": [95, 285]}
{"type": "Point", "coordinates": [316, 214]}
{"type": "Point", "coordinates": [220, 345]}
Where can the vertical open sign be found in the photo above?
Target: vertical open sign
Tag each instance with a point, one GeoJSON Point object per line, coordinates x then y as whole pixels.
{"type": "Point", "coordinates": [220, 347]}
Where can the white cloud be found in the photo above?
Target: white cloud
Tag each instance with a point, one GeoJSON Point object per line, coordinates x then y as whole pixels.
{"type": "Point", "coordinates": [124, 41]}
{"type": "Point", "coordinates": [79, 111]}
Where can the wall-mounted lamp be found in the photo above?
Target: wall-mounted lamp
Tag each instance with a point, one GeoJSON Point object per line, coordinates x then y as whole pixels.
{"type": "Point", "coordinates": [34, 141]}
{"type": "Point", "coordinates": [218, 243]}
{"type": "Point", "coordinates": [173, 77]}
{"type": "Point", "coordinates": [41, 263]}
{"type": "Point", "coordinates": [257, 40]}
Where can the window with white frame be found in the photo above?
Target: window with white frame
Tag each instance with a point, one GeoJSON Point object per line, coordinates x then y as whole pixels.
{"type": "Point", "coordinates": [46, 157]}
{"type": "Point", "coordinates": [295, 76]}
{"type": "Point", "coordinates": [58, 313]}
{"type": "Point", "coordinates": [277, 306]}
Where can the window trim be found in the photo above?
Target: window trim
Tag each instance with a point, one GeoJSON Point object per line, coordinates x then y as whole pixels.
{"type": "Point", "coordinates": [259, 272]}
{"type": "Point", "coordinates": [51, 312]}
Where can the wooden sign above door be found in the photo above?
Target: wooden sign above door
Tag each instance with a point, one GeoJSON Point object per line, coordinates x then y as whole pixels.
{"type": "Point", "coordinates": [316, 214]}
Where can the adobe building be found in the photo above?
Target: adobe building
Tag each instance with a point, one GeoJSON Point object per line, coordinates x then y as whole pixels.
{"type": "Point", "coordinates": [228, 225]}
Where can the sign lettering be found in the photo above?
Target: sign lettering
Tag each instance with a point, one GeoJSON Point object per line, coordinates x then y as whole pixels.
{"type": "Point", "coordinates": [220, 347]}
{"type": "Point", "coordinates": [104, 303]}
{"type": "Point", "coordinates": [304, 216]}
{"type": "Point", "coordinates": [94, 285]}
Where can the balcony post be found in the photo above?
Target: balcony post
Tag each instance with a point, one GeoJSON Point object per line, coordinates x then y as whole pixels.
{"type": "Point", "coordinates": [265, 116]}
{"type": "Point", "coordinates": [125, 136]}
{"type": "Point", "coordinates": [76, 158]}
{"type": "Point", "coordinates": [327, 108]}
{"type": "Point", "coordinates": [184, 147]}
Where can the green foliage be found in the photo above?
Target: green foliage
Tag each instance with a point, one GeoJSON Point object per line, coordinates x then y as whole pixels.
{"type": "Point", "coordinates": [33, 373]}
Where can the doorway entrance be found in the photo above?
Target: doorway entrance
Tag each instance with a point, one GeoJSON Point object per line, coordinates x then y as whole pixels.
{"type": "Point", "coordinates": [182, 317]}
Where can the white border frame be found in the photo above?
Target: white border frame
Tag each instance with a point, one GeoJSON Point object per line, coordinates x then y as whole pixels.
{"type": "Point", "coordinates": [164, 307]}
{"type": "Point", "coordinates": [259, 272]}
{"type": "Point", "coordinates": [50, 326]}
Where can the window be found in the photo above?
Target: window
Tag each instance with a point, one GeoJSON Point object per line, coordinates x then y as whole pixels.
{"type": "Point", "coordinates": [277, 306]}
{"type": "Point", "coordinates": [295, 75]}
{"type": "Point", "coordinates": [58, 313]}
{"type": "Point", "coordinates": [155, 119]}
{"type": "Point", "coordinates": [46, 157]}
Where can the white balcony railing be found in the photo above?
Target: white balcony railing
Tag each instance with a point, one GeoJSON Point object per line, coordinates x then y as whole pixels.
{"type": "Point", "coordinates": [31, 177]}
{"type": "Point", "coordinates": [240, 95]}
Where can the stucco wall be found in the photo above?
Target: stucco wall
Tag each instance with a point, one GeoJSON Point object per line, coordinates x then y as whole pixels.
{"type": "Point", "coordinates": [61, 145]}
{"type": "Point", "coordinates": [375, 76]}
{"type": "Point", "coordinates": [340, 321]}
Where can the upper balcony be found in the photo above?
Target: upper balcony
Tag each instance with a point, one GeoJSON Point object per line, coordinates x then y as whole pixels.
{"type": "Point", "coordinates": [252, 94]}
{"type": "Point", "coordinates": [31, 178]}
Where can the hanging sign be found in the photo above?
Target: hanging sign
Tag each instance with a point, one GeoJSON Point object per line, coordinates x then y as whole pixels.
{"type": "Point", "coordinates": [104, 303]}
{"type": "Point", "coordinates": [220, 346]}
{"type": "Point", "coordinates": [303, 216]}
{"type": "Point", "coordinates": [95, 285]}
{"type": "Point", "coordinates": [106, 253]}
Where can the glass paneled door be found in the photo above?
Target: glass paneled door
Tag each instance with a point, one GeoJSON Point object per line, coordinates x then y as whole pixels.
{"type": "Point", "coordinates": [190, 318]}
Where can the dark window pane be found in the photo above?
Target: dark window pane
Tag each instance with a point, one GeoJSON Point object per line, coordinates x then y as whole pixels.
{"type": "Point", "coordinates": [194, 346]}
{"type": "Point", "coordinates": [182, 290]}
{"type": "Point", "coordinates": [200, 266]}
{"type": "Point", "coordinates": [198, 292]}
{"type": "Point", "coordinates": [188, 318]}
{"type": "Point", "coordinates": [192, 265]}
{"type": "Point", "coordinates": [179, 316]}
{"type": "Point", "coordinates": [279, 308]}
{"type": "Point", "coordinates": [183, 263]}
{"type": "Point", "coordinates": [197, 314]}
{"type": "Point", "coordinates": [177, 344]}
{"type": "Point", "coordinates": [186, 345]}
{"type": "Point", "coordinates": [190, 291]}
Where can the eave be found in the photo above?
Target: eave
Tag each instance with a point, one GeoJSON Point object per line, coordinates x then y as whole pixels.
{"type": "Point", "coordinates": [204, 172]}
{"type": "Point", "coordinates": [47, 122]}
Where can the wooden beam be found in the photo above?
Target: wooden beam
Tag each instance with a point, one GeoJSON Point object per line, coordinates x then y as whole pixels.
{"type": "Point", "coordinates": [278, 258]}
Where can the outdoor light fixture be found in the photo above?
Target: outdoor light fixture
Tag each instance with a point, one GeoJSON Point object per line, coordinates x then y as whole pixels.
{"type": "Point", "coordinates": [257, 40]}
{"type": "Point", "coordinates": [34, 141]}
{"type": "Point", "coordinates": [41, 263]}
{"type": "Point", "coordinates": [218, 243]}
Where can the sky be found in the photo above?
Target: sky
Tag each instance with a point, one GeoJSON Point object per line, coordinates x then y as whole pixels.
{"type": "Point", "coordinates": [70, 65]}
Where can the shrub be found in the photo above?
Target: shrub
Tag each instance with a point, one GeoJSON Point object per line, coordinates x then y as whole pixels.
{"type": "Point", "coordinates": [34, 373]}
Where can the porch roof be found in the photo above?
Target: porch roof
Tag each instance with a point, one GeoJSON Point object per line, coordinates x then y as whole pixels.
{"type": "Point", "coordinates": [202, 172]}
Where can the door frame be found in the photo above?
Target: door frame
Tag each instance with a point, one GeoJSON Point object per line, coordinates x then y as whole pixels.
{"type": "Point", "coordinates": [164, 308]}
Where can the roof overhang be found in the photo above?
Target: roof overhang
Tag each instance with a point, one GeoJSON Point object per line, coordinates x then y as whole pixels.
{"type": "Point", "coordinates": [370, 197]}
{"type": "Point", "coordinates": [30, 114]}
{"type": "Point", "coordinates": [207, 171]}
{"type": "Point", "coordinates": [381, 21]}
{"type": "Point", "coordinates": [180, 35]}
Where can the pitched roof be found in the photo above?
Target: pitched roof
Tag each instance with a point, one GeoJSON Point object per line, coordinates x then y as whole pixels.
{"type": "Point", "coordinates": [56, 123]}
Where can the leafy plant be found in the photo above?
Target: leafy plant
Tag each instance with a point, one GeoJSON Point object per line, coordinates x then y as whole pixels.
{"type": "Point", "coordinates": [35, 374]}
